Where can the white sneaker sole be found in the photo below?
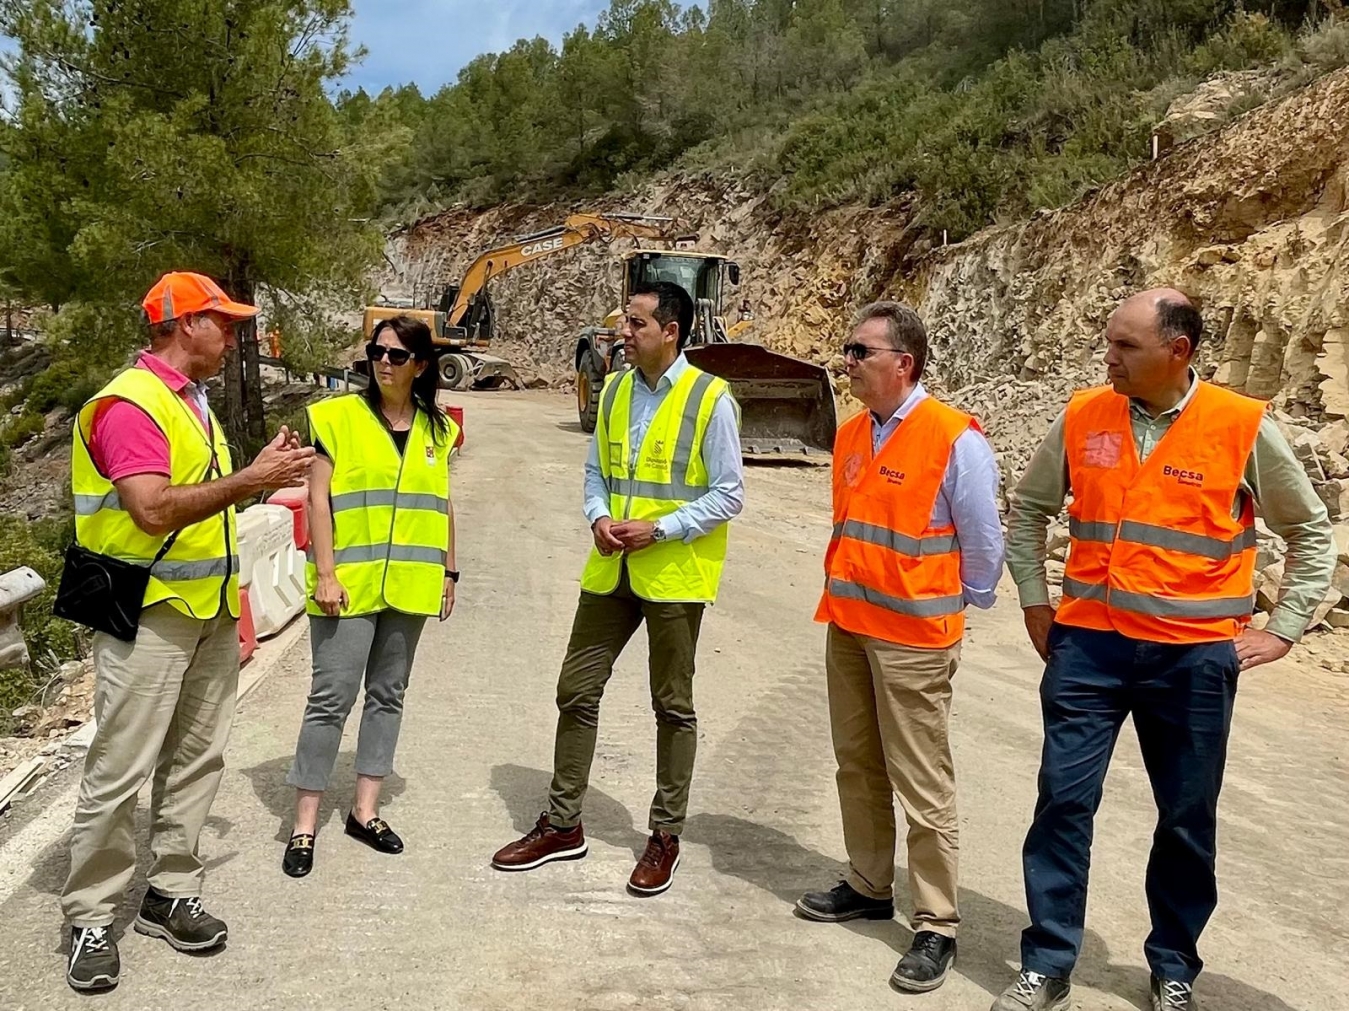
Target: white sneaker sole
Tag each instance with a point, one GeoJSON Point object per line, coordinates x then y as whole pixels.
{"type": "Point", "coordinates": [572, 854]}
{"type": "Point", "coordinates": [663, 888]}
{"type": "Point", "coordinates": [143, 926]}
{"type": "Point", "coordinates": [97, 983]}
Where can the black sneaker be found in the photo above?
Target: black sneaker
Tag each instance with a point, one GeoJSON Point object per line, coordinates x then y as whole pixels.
{"type": "Point", "coordinates": [94, 964]}
{"type": "Point", "coordinates": [843, 902]}
{"type": "Point", "coordinates": [1036, 992]}
{"type": "Point", "coordinates": [1172, 995]}
{"type": "Point", "coordinates": [926, 963]}
{"type": "Point", "coordinates": [181, 922]}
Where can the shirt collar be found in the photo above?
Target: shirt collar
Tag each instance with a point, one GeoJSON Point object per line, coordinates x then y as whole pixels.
{"type": "Point", "coordinates": [1137, 405]}
{"type": "Point", "coordinates": [171, 377]}
{"type": "Point", "coordinates": [915, 397]}
{"type": "Point", "coordinates": [671, 375]}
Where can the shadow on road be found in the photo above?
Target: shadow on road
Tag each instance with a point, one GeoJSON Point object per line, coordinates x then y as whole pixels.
{"type": "Point", "coordinates": [770, 859]}
{"type": "Point", "coordinates": [524, 791]}
{"type": "Point", "coordinates": [571, 426]}
{"type": "Point", "coordinates": [269, 783]}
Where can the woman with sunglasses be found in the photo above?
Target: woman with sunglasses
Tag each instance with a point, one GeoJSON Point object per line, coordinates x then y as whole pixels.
{"type": "Point", "coordinates": [381, 562]}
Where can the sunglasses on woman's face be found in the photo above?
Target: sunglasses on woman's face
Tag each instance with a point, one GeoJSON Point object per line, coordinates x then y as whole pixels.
{"type": "Point", "coordinates": [397, 356]}
{"type": "Point", "coordinates": [861, 352]}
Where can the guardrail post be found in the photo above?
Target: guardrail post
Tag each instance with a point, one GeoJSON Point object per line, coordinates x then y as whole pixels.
{"type": "Point", "coordinates": [17, 587]}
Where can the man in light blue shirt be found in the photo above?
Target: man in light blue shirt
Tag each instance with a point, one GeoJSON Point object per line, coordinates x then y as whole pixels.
{"type": "Point", "coordinates": [663, 579]}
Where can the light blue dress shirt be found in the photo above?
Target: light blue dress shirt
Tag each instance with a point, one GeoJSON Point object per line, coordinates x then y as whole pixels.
{"type": "Point", "coordinates": [968, 500]}
{"type": "Point", "coordinates": [725, 495]}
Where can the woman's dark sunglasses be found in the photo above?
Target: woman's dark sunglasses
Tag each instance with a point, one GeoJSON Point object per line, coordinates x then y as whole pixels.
{"type": "Point", "coordinates": [861, 352]}
{"type": "Point", "coordinates": [397, 356]}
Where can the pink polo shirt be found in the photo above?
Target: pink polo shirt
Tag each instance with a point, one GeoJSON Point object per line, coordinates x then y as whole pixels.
{"type": "Point", "coordinates": [124, 441]}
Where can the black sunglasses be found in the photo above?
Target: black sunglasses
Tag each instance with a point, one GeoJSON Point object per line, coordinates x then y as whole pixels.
{"type": "Point", "coordinates": [397, 356]}
{"type": "Point", "coordinates": [861, 352]}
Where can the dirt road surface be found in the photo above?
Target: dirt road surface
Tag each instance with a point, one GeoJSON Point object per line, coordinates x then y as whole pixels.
{"type": "Point", "coordinates": [437, 928]}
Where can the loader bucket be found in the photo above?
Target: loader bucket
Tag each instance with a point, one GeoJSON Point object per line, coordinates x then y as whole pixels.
{"type": "Point", "coordinates": [786, 404]}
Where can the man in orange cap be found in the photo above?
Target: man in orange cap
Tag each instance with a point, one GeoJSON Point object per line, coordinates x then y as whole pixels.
{"type": "Point", "coordinates": [154, 485]}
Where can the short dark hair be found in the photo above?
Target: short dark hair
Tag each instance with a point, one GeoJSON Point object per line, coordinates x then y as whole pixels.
{"type": "Point", "coordinates": [903, 329]}
{"type": "Point", "coordinates": [673, 304]}
{"type": "Point", "coordinates": [1179, 319]}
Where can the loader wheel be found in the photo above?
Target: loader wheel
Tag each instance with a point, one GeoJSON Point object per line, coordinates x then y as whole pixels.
{"type": "Point", "coordinates": [589, 383]}
{"type": "Point", "coordinates": [453, 370]}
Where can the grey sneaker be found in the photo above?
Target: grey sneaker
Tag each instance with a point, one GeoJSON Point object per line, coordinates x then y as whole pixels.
{"type": "Point", "coordinates": [1172, 995]}
{"type": "Point", "coordinates": [94, 964]}
{"type": "Point", "coordinates": [181, 922]}
{"type": "Point", "coordinates": [1035, 992]}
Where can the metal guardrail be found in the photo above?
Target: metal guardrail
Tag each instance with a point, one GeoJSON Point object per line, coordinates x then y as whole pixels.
{"type": "Point", "coordinates": [345, 380]}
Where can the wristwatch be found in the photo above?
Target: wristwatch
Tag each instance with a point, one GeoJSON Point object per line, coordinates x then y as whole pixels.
{"type": "Point", "coordinates": [657, 532]}
{"type": "Point", "coordinates": [453, 575]}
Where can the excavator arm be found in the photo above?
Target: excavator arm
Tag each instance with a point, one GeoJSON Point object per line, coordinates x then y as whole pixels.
{"type": "Point", "coordinates": [577, 230]}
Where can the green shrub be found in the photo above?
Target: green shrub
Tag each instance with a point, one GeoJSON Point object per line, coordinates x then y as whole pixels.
{"type": "Point", "coordinates": [66, 384]}
{"type": "Point", "coordinates": [19, 430]}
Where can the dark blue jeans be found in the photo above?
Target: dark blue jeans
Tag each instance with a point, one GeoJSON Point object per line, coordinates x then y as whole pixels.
{"type": "Point", "coordinates": [1181, 699]}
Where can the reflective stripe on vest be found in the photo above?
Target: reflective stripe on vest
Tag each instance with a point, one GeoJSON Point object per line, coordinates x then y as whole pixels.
{"type": "Point", "coordinates": [888, 573]}
{"type": "Point", "coordinates": [390, 510]}
{"type": "Point", "coordinates": [1155, 550]}
{"type": "Point", "coordinates": [653, 480]}
{"type": "Point", "coordinates": [201, 567]}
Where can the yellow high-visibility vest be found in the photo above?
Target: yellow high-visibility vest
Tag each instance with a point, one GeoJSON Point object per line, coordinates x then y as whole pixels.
{"type": "Point", "coordinates": [653, 480]}
{"type": "Point", "coordinates": [200, 571]}
{"type": "Point", "coordinates": [390, 511]}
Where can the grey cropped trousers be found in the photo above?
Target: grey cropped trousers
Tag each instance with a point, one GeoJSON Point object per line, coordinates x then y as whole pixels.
{"type": "Point", "coordinates": [377, 648]}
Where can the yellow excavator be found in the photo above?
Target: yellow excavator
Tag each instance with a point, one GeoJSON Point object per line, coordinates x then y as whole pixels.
{"type": "Point", "coordinates": [786, 404]}
{"type": "Point", "coordinates": [463, 321]}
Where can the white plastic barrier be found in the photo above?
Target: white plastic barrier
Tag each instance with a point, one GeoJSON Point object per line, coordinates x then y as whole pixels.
{"type": "Point", "coordinates": [271, 567]}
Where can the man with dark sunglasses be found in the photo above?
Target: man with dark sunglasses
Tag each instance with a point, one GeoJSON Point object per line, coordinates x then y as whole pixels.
{"type": "Point", "coordinates": [917, 537]}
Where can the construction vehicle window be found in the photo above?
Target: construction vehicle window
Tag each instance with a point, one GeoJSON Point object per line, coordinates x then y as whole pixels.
{"type": "Point", "coordinates": [682, 272]}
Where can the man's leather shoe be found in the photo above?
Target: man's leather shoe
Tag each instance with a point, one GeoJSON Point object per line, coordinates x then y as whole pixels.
{"type": "Point", "coordinates": [926, 963]}
{"type": "Point", "coordinates": [655, 870]}
{"type": "Point", "coordinates": [542, 844]}
{"type": "Point", "coordinates": [843, 902]}
{"type": "Point", "coordinates": [298, 859]}
{"type": "Point", "coordinates": [375, 833]}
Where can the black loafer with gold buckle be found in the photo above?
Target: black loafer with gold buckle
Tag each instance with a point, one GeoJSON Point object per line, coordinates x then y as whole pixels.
{"type": "Point", "coordinates": [375, 833]}
{"type": "Point", "coordinates": [299, 857]}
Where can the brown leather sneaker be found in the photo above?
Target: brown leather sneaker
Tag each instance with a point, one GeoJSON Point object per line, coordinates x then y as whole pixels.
{"type": "Point", "coordinates": [542, 845]}
{"type": "Point", "coordinates": [655, 870]}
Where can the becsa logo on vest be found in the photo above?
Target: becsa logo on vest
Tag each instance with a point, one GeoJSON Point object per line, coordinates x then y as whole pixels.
{"type": "Point", "coordinates": [1193, 478]}
{"type": "Point", "coordinates": [891, 475]}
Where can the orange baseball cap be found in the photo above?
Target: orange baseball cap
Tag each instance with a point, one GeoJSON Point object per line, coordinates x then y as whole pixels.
{"type": "Point", "coordinates": [180, 292]}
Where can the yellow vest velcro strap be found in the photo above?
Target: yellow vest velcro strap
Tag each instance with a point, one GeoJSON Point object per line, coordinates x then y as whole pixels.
{"type": "Point", "coordinates": [370, 499]}
{"type": "Point", "coordinates": [87, 505]}
{"type": "Point", "coordinates": [926, 607]}
{"type": "Point", "coordinates": [211, 568]}
{"type": "Point", "coordinates": [1141, 603]}
{"type": "Point", "coordinates": [394, 553]}
{"type": "Point", "coordinates": [903, 544]}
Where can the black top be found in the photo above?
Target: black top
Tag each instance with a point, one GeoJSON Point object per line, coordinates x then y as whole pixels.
{"type": "Point", "coordinates": [400, 439]}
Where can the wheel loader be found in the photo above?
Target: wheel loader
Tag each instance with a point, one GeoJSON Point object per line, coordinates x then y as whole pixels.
{"type": "Point", "coordinates": [786, 404]}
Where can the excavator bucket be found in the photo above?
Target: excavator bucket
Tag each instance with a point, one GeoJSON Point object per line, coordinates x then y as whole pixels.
{"type": "Point", "coordinates": [786, 404]}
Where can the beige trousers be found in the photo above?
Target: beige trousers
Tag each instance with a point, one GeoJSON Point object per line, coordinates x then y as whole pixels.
{"type": "Point", "coordinates": [164, 705]}
{"type": "Point", "coordinates": [889, 708]}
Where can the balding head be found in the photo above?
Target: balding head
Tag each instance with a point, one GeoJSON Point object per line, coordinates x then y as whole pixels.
{"type": "Point", "coordinates": [1151, 338]}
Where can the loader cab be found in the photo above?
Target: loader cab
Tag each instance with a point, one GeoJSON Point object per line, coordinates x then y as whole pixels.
{"type": "Point", "coordinates": [702, 275]}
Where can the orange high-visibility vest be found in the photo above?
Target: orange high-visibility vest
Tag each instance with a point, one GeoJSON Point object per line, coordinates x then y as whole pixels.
{"type": "Point", "coordinates": [888, 573]}
{"type": "Point", "coordinates": [1155, 552]}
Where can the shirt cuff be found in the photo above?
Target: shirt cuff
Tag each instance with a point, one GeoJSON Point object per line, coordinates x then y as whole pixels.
{"type": "Point", "coordinates": [983, 599]}
{"type": "Point", "coordinates": [1033, 592]}
{"type": "Point", "coordinates": [1287, 625]}
{"type": "Point", "coordinates": [595, 512]}
{"type": "Point", "coordinates": [672, 527]}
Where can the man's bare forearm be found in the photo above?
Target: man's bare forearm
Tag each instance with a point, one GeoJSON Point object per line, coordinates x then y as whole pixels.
{"type": "Point", "coordinates": [179, 506]}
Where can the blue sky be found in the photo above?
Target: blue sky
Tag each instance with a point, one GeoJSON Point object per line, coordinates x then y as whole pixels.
{"type": "Point", "coordinates": [427, 41]}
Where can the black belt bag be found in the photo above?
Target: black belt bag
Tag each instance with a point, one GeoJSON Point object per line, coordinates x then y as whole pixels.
{"type": "Point", "coordinates": [104, 593]}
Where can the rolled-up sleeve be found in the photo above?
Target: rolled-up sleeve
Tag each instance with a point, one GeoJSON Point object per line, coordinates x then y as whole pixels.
{"type": "Point", "coordinates": [971, 488]}
{"type": "Point", "coordinates": [725, 495]}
